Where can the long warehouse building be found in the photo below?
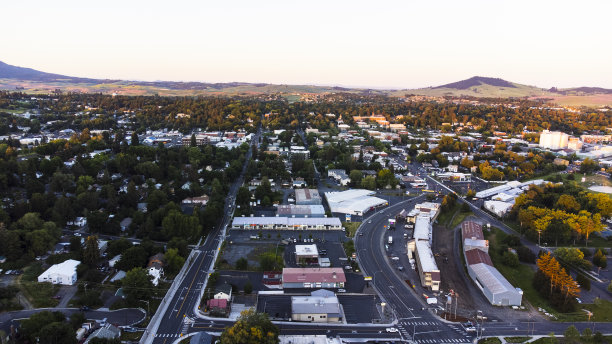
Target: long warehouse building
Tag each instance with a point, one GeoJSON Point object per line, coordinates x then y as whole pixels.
{"type": "Point", "coordinates": [420, 246]}
{"type": "Point", "coordinates": [281, 222]}
{"type": "Point", "coordinates": [487, 278]}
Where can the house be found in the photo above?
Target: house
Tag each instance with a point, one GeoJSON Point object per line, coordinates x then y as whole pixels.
{"type": "Point", "coordinates": [340, 176]}
{"type": "Point", "coordinates": [224, 292]}
{"type": "Point", "coordinates": [78, 222]}
{"type": "Point", "coordinates": [107, 332]}
{"type": "Point", "coordinates": [272, 279]}
{"type": "Point", "coordinates": [63, 273]}
{"type": "Point", "coordinates": [201, 338]}
{"type": "Point", "coordinates": [218, 307]}
{"type": "Point", "coordinates": [125, 224]}
{"type": "Point", "coordinates": [321, 306]}
{"type": "Point", "coordinates": [313, 278]}
{"type": "Point", "coordinates": [155, 267]}
{"type": "Point", "coordinates": [114, 260]}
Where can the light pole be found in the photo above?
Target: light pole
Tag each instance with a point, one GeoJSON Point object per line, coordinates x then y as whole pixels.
{"type": "Point", "coordinates": [147, 301]}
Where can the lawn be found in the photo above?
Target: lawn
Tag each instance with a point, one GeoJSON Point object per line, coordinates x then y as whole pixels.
{"type": "Point", "coordinates": [516, 339]}
{"type": "Point", "coordinates": [452, 217]}
{"type": "Point", "coordinates": [351, 228]}
{"type": "Point", "coordinates": [521, 276]}
{"type": "Point", "coordinates": [601, 309]}
{"type": "Point", "coordinates": [39, 294]}
{"type": "Point", "coordinates": [492, 340]}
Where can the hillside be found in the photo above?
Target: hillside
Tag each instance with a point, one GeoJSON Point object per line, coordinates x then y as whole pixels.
{"type": "Point", "coordinates": [34, 81]}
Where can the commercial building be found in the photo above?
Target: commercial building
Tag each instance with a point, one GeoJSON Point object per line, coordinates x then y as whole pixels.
{"type": "Point", "coordinates": [278, 222]}
{"type": "Point", "coordinates": [553, 139]}
{"type": "Point", "coordinates": [354, 202]}
{"type": "Point", "coordinates": [499, 208]}
{"type": "Point", "coordinates": [313, 278]}
{"type": "Point", "coordinates": [491, 282]}
{"type": "Point", "coordinates": [307, 196]}
{"type": "Point", "coordinates": [63, 273]}
{"type": "Point", "coordinates": [455, 177]}
{"type": "Point", "coordinates": [302, 210]}
{"type": "Point", "coordinates": [420, 246]}
{"type": "Point", "coordinates": [306, 254]}
{"type": "Point", "coordinates": [321, 306]}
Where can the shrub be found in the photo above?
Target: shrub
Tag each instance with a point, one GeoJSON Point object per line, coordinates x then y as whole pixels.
{"type": "Point", "coordinates": [242, 264]}
{"type": "Point", "coordinates": [512, 241]}
{"type": "Point", "coordinates": [584, 282]}
{"type": "Point", "coordinates": [510, 259]}
{"type": "Point", "coordinates": [525, 255]}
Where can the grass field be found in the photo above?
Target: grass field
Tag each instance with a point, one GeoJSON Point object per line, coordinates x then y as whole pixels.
{"type": "Point", "coordinates": [39, 294]}
{"type": "Point", "coordinates": [516, 339]}
{"type": "Point", "coordinates": [351, 228]}
{"type": "Point", "coordinates": [521, 276]}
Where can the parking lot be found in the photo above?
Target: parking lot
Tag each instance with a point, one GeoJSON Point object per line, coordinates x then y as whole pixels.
{"type": "Point", "coordinates": [358, 309]}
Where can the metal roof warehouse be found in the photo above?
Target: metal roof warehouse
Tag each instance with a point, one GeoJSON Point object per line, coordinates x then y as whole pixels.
{"type": "Point", "coordinates": [280, 222]}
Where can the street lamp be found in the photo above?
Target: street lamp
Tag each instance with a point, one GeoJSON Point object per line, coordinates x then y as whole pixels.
{"type": "Point", "coordinates": [147, 301]}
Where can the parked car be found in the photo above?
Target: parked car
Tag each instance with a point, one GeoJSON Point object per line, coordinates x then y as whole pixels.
{"type": "Point", "coordinates": [392, 330]}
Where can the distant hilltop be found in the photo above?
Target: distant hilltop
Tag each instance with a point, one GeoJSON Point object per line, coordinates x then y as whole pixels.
{"type": "Point", "coordinates": [31, 80]}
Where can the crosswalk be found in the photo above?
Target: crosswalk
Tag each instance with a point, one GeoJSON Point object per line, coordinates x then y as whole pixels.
{"type": "Point", "coordinates": [167, 335]}
{"type": "Point", "coordinates": [442, 340]}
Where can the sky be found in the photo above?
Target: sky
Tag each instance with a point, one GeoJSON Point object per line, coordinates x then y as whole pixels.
{"type": "Point", "coordinates": [378, 44]}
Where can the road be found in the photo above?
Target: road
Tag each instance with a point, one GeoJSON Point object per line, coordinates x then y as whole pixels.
{"type": "Point", "coordinates": [187, 296]}
{"type": "Point", "coordinates": [414, 319]}
{"type": "Point", "coordinates": [120, 317]}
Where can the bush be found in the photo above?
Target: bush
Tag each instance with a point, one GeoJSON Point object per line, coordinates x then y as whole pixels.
{"type": "Point", "coordinates": [525, 255]}
{"type": "Point", "coordinates": [584, 282]}
{"type": "Point", "coordinates": [510, 259]}
{"type": "Point", "coordinates": [512, 241]}
{"type": "Point", "coordinates": [586, 251]}
{"type": "Point", "coordinates": [242, 264]}
{"type": "Point", "coordinates": [248, 288]}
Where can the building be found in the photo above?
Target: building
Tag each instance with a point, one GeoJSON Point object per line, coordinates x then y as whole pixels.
{"type": "Point", "coordinates": [303, 210]}
{"type": "Point", "coordinates": [420, 246]}
{"type": "Point", "coordinates": [201, 200]}
{"type": "Point", "coordinates": [499, 208]}
{"type": "Point", "coordinates": [455, 177]}
{"type": "Point", "coordinates": [308, 339]}
{"type": "Point", "coordinates": [224, 291]}
{"type": "Point", "coordinates": [574, 144]}
{"type": "Point", "coordinates": [307, 196]}
{"type": "Point", "coordinates": [278, 222]}
{"type": "Point", "coordinates": [321, 306]}
{"type": "Point", "coordinates": [313, 278]}
{"type": "Point", "coordinates": [493, 284]}
{"type": "Point", "coordinates": [108, 331]}
{"type": "Point", "coordinates": [218, 307]}
{"type": "Point", "coordinates": [63, 273]}
{"type": "Point", "coordinates": [354, 202]}
{"type": "Point", "coordinates": [340, 176]}
{"type": "Point", "coordinates": [155, 267]}
{"type": "Point", "coordinates": [306, 254]}
{"type": "Point", "coordinates": [553, 139]}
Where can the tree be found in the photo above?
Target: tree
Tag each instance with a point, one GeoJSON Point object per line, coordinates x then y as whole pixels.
{"type": "Point", "coordinates": [572, 333]}
{"type": "Point", "coordinates": [568, 203]}
{"type": "Point", "coordinates": [133, 257]}
{"type": "Point", "coordinates": [510, 259]}
{"type": "Point", "coordinates": [600, 260]}
{"type": "Point", "coordinates": [572, 256]}
{"type": "Point", "coordinates": [77, 319]}
{"type": "Point", "coordinates": [242, 263]}
{"type": "Point", "coordinates": [369, 182]}
{"type": "Point", "coordinates": [137, 284]}
{"type": "Point", "coordinates": [356, 177]}
{"type": "Point", "coordinates": [56, 333]}
{"type": "Point", "coordinates": [91, 252]}
{"type": "Point", "coordinates": [135, 140]}
{"type": "Point", "coordinates": [588, 166]}
{"type": "Point", "coordinates": [251, 328]}
{"type": "Point", "coordinates": [174, 262]}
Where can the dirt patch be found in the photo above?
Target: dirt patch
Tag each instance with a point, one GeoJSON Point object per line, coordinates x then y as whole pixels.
{"type": "Point", "coordinates": [451, 269]}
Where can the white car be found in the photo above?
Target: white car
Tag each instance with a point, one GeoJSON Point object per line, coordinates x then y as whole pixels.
{"type": "Point", "coordinates": [392, 330]}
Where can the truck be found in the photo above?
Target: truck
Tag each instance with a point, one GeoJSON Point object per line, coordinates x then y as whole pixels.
{"type": "Point", "coordinates": [391, 223]}
{"type": "Point", "coordinates": [390, 240]}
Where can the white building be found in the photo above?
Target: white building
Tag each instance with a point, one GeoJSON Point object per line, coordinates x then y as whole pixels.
{"type": "Point", "coordinates": [498, 208]}
{"type": "Point", "coordinates": [553, 139]}
{"type": "Point", "coordinates": [279, 222]}
{"type": "Point", "coordinates": [63, 273]}
{"type": "Point", "coordinates": [354, 201]}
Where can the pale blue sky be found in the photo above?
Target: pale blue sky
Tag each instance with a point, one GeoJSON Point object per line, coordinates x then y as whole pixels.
{"type": "Point", "coordinates": [400, 44]}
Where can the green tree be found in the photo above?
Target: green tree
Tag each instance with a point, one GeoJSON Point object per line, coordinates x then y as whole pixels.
{"type": "Point", "coordinates": [510, 259]}
{"type": "Point", "coordinates": [356, 177]}
{"type": "Point", "coordinates": [174, 262]}
{"type": "Point", "coordinates": [242, 263]}
{"type": "Point", "coordinates": [369, 182]}
{"type": "Point", "coordinates": [251, 328]}
{"type": "Point", "coordinates": [600, 260]}
{"type": "Point", "coordinates": [133, 257]}
{"type": "Point", "coordinates": [572, 334]}
{"type": "Point", "coordinates": [137, 285]}
{"type": "Point", "coordinates": [91, 252]}
{"type": "Point", "coordinates": [56, 333]}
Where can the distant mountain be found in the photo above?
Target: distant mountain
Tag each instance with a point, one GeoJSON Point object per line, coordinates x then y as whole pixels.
{"type": "Point", "coordinates": [31, 80]}
{"type": "Point", "coordinates": [478, 81]}
{"type": "Point", "coordinates": [8, 71]}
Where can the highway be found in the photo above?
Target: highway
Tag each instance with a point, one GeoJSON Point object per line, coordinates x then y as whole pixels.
{"type": "Point", "coordinates": [414, 320]}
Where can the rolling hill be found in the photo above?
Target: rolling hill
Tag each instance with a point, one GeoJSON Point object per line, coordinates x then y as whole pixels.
{"type": "Point", "coordinates": [34, 81]}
